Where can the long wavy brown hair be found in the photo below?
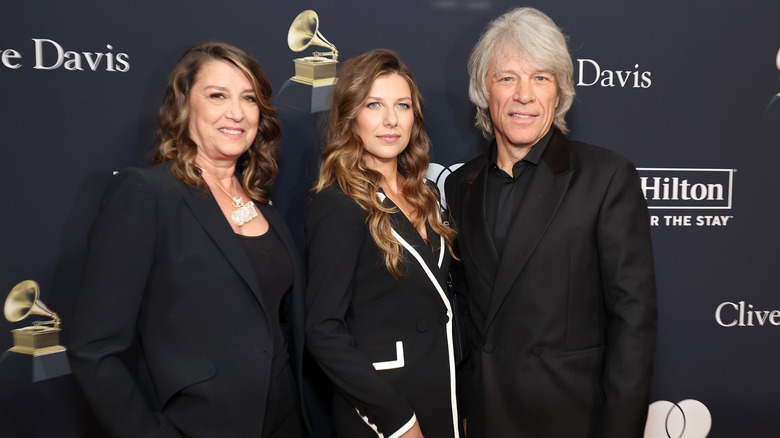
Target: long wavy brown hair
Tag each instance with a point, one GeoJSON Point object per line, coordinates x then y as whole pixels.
{"type": "Point", "coordinates": [343, 157]}
{"type": "Point", "coordinates": [258, 166]}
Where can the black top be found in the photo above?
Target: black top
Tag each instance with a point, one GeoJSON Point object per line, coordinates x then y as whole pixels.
{"type": "Point", "coordinates": [505, 192]}
{"type": "Point", "coordinates": [273, 266]}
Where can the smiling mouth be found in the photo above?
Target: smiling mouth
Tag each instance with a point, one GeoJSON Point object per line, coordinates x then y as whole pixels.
{"type": "Point", "coordinates": [521, 116]}
{"type": "Point", "coordinates": [231, 131]}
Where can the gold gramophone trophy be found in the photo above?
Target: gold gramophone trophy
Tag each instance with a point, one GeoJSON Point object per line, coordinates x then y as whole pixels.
{"type": "Point", "coordinates": [314, 70]}
{"type": "Point", "coordinates": [36, 354]}
{"type": "Point", "coordinates": [309, 90]}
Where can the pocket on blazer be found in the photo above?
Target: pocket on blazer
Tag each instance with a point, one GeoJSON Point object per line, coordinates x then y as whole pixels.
{"type": "Point", "coordinates": [385, 355]}
{"type": "Point", "coordinates": [174, 362]}
{"type": "Point", "coordinates": [583, 352]}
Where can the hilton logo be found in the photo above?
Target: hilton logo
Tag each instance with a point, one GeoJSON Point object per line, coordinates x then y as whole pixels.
{"type": "Point", "coordinates": [689, 189]}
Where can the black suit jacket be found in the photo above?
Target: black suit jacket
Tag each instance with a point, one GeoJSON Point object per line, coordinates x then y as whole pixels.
{"type": "Point", "coordinates": [563, 325]}
{"type": "Point", "coordinates": [386, 343]}
{"type": "Point", "coordinates": [166, 271]}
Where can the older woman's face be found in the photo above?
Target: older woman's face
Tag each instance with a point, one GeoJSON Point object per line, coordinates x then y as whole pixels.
{"type": "Point", "coordinates": [522, 100]}
{"type": "Point", "coordinates": [223, 112]}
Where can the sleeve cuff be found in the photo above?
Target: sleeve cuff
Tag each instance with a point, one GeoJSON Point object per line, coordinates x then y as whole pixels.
{"type": "Point", "coordinates": [405, 428]}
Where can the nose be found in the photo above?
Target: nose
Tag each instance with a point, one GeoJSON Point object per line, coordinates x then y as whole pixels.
{"type": "Point", "coordinates": [524, 92]}
{"type": "Point", "coordinates": [234, 111]}
{"type": "Point", "coordinates": [391, 118]}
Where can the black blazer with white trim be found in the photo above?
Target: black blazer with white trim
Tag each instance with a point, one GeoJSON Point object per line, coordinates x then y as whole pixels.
{"type": "Point", "coordinates": [386, 343]}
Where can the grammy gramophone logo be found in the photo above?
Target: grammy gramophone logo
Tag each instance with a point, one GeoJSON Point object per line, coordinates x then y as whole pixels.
{"type": "Point", "coordinates": [37, 353]}
{"type": "Point", "coordinates": [309, 90]}
{"type": "Point", "coordinates": [315, 70]}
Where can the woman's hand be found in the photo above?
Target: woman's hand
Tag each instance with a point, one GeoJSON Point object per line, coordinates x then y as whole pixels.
{"type": "Point", "coordinates": [414, 432]}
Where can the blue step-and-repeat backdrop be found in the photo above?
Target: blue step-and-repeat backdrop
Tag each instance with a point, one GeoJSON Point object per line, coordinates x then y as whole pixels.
{"type": "Point", "coordinates": [686, 89]}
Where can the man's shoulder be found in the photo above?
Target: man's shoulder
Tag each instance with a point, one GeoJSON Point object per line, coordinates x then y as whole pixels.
{"type": "Point", "coordinates": [592, 155]}
{"type": "Point", "coordinates": [587, 149]}
{"type": "Point", "coordinates": [469, 169]}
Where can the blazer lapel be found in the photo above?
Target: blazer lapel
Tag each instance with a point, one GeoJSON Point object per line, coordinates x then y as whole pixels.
{"type": "Point", "coordinates": [545, 194]}
{"type": "Point", "coordinates": [478, 240]}
{"type": "Point", "coordinates": [207, 212]}
{"type": "Point", "coordinates": [429, 257]}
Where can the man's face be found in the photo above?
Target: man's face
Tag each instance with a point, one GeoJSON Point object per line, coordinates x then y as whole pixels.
{"type": "Point", "coordinates": [522, 99]}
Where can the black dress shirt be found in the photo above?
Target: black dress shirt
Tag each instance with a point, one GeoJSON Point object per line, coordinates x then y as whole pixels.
{"type": "Point", "coordinates": [505, 192]}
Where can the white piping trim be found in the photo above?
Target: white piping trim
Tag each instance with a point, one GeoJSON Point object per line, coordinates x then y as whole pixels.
{"type": "Point", "coordinates": [446, 301]}
{"type": "Point", "coordinates": [405, 428]}
{"type": "Point", "coordinates": [370, 424]}
{"type": "Point", "coordinates": [392, 364]}
{"type": "Point", "coordinates": [382, 197]}
{"type": "Point", "coordinates": [441, 250]}
{"type": "Point", "coordinates": [441, 242]}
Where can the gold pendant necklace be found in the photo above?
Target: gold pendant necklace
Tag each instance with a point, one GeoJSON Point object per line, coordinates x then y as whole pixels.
{"type": "Point", "coordinates": [245, 211]}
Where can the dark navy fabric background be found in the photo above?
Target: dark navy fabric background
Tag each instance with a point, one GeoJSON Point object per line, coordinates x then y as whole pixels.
{"type": "Point", "coordinates": [680, 88]}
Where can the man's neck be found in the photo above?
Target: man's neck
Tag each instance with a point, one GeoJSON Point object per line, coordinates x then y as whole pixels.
{"type": "Point", "coordinates": [507, 156]}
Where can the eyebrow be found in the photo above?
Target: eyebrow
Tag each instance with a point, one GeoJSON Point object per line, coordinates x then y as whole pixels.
{"type": "Point", "coordinates": [379, 98]}
{"type": "Point", "coordinates": [536, 71]}
{"type": "Point", "coordinates": [221, 88]}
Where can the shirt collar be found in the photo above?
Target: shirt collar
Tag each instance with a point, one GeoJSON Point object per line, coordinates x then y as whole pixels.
{"type": "Point", "coordinates": [532, 157]}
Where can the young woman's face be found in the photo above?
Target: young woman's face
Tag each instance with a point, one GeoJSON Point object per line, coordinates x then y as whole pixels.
{"type": "Point", "coordinates": [385, 121]}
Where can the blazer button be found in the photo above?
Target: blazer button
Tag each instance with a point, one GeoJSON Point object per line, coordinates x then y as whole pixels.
{"type": "Point", "coordinates": [422, 326]}
{"type": "Point", "coordinates": [488, 347]}
{"type": "Point", "coordinates": [536, 351]}
{"type": "Point", "coordinates": [444, 319]}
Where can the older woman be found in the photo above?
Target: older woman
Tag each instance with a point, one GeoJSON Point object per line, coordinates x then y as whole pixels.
{"type": "Point", "coordinates": [378, 320]}
{"type": "Point", "coordinates": [188, 260]}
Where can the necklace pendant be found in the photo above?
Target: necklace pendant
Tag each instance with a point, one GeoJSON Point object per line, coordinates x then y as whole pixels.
{"type": "Point", "coordinates": [238, 201]}
{"type": "Point", "coordinates": [244, 213]}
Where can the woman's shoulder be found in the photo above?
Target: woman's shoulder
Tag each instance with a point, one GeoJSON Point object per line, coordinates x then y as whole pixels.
{"type": "Point", "coordinates": [332, 204]}
{"type": "Point", "coordinates": [148, 181]}
{"type": "Point", "coordinates": [156, 174]}
{"type": "Point", "coordinates": [333, 197]}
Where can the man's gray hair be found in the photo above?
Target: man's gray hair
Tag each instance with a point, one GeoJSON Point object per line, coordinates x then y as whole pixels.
{"type": "Point", "coordinates": [531, 34]}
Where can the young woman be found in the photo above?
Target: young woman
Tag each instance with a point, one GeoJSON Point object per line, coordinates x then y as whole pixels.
{"type": "Point", "coordinates": [378, 321]}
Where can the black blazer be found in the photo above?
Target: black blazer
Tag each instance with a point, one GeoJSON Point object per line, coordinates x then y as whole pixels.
{"type": "Point", "coordinates": [386, 343]}
{"type": "Point", "coordinates": [165, 270]}
{"type": "Point", "coordinates": [564, 324]}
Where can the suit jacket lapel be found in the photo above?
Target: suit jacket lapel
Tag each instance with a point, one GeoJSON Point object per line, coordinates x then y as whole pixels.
{"type": "Point", "coordinates": [478, 241]}
{"type": "Point", "coordinates": [419, 252]}
{"type": "Point", "coordinates": [545, 194]}
{"type": "Point", "coordinates": [207, 212]}
{"type": "Point", "coordinates": [402, 226]}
